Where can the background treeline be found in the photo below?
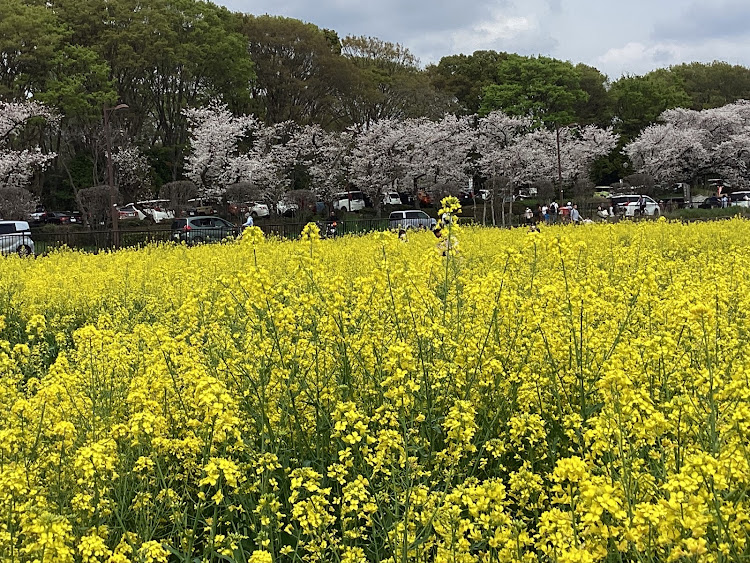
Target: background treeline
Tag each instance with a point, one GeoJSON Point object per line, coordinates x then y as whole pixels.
{"type": "Point", "coordinates": [163, 56]}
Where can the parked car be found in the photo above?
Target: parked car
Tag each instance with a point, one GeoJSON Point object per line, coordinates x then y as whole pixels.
{"type": "Point", "coordinates": [236, 209]}
{"type": "Point", "coordinates": [629, 205]}
{"type": "Point", "coordinates": [424, 198]}
{"type": "Point", "coordinates": [201, 228]}
{"type": "Point", "coordinates": [286, 208]}
{"type": "Point", "coordinates": [391, 198]}
{"type": "Point", "coordinates": [156, 209]}
{"type": "Point", "coordinates": [406, 198]}
{"type": "Point", "coordinates": [348, 201]}
{"type": "Point", "coordinates": [201, 207]}
{"type": "Point", "coordinates": [38, 215]}
{"type": "Point", "coordinates": [711, 202]}
{"type": "Point", "coordinates": [248, 208]}
{"type": "Point", "coordinates": [130, 211]}
{"type": "Point", "coordinates": [75, 217]}
{"type": "Point", "coordinates": [466, 196]}
{"type": "Point", "coordinates": [15, 238]}
{"type": "Point", "coordinates": [740, 199]}
{"type": "Point", "coordinates": [411, 219]}
{"type": "Point", "coordinates": [257, 209]}
{"type": "Point", "coordinates": [527, 193]}
{"type": "Point", "coordinates": [56, 217]}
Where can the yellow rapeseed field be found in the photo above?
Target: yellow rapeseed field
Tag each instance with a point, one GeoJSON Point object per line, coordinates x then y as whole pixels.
{"type": "Point", "coordinates": [579, 394]}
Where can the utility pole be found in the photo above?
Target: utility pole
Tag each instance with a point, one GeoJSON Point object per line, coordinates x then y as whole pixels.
{"type": "Point", "coordinates": [559, 163]}
{"type": "Point", "coordinates": [115, 214]}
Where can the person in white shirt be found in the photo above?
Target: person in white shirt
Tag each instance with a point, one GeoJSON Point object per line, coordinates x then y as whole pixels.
{"type": "Point", "coordinates": [528, 215]}
{"type": "Point", "coordinates": [248, 222]}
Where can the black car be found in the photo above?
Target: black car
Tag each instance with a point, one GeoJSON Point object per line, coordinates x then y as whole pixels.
{"type": "Point", "coordinates": [406, 198]}
{"type": "Point", "coordinates": [468, 197]}
{"type": "Point", "coordinates": [711, 203]}
{"type": "Point", "coordinates": [75, 217]}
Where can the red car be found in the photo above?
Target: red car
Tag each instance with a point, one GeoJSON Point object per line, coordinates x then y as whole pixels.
{"type": "Point", "coordinates": [55, 217]}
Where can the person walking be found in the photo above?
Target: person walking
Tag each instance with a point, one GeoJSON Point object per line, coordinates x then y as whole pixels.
{"type": "Point", "coordinates": [248, 221]}
{"type": "Point", "coordinates": [553, 210]}
{"type": "Point", "coordinates": [641, 205]}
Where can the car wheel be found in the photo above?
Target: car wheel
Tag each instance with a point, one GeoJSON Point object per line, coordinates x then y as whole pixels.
{"type": "Point", "coordinates": [197, 240]}
{"type": "Point", "coordinates": [254, 214]}
{"type": "Point", "coordinates": [24, 251]}
{"type": "Point", "coordinates": [656, 212]}
{"type": "Point", "coordinates": [343, 209]}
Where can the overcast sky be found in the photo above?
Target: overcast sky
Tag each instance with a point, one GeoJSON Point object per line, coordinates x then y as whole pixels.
{"type": "Point", "coordinates": [617, 37]}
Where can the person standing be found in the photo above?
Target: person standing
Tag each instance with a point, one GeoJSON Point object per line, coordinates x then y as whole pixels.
{"type": "Point", "coordinates": [528, 215]}
{"type": "Point", "coordinates": [553, 209]}
{"type": "Point", "coordinates": [575, 216]}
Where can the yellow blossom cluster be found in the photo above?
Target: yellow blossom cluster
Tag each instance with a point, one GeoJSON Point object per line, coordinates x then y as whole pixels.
{"type": "Point", "coordinates": [578, 394]}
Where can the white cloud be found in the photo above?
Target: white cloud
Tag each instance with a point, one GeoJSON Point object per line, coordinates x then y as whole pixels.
{"type": "Point", "coordinates": [515, 28]}
{"type": "Point", "coordinates": [640, 58]}
{"type": "Point", "coordinates": [498, 31]}
{"type": "Point", "coordinates": [636, 36]}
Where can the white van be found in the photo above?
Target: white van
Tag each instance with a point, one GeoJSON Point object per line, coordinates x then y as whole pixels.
{"type": "Point", "coordinates": [15, 238]}
{"type": "Point", "coordinates": [349, 201]}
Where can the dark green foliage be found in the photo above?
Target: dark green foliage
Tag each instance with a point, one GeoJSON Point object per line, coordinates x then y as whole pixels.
{"type": "Point", "coordinates": [465, 77]}
{"type": "Point", "coordinates": [544, 89]}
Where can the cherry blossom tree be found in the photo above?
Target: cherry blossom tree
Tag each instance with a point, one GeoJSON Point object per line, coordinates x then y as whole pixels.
{"type": "Point", "coordinates": [514, 149]}
{"type": "Point", "coordinates": [214, 160]}
{"type": "Point", "coordinates": [275, 154]}
{"type": "Point", "coordinates": [17, 165]}
{"type": "Point", "coordinates": [437, 152]}
{"type": "Point", "coordinates": [133, 171]}
{"type": "Point", "coordinates": [689, 144]}
{"type": "Point", "coordinates": [378, 158]}
{"type": "Point", "coordinates": [326, 156]}
{"type": "Point", "coordinates": [227, 150]}
{"type": "Point", "coordinates": [669, 153]}
{"type": "Point", "coordinates": [496, 134]}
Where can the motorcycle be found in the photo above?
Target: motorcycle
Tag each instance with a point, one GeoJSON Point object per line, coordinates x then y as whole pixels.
{"type": "Point", "coordinates": [331, 227]}
{"type": "Point", "coordinates": [327, 229]}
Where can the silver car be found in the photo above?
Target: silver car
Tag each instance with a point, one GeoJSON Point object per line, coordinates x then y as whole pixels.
{"type": "Point", "coordinates": [15, 238]}
{"type": "Point", "coordinates": [203, 228]}
{"type": "Point", "coordinates": [411, 219]}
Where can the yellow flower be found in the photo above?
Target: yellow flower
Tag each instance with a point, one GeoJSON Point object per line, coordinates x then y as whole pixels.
{"type": "Point", "coordinates": [261, 556]}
